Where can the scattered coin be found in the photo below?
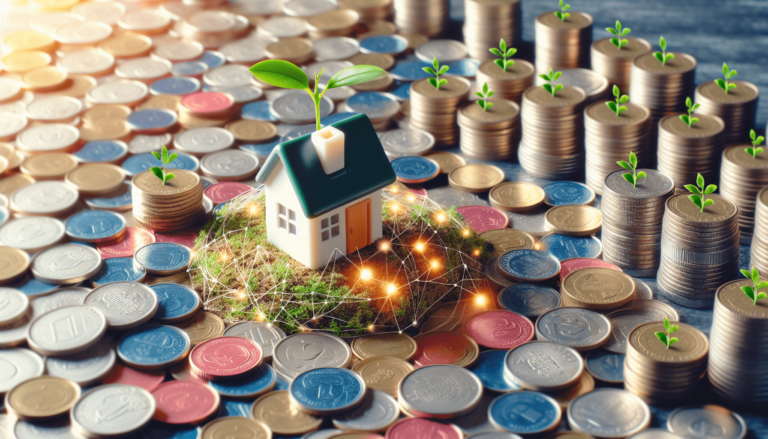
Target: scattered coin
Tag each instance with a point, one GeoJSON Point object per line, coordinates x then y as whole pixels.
{"type": "Point", "coordinates": [483, 219]}
{"type": "Point", "coordinates": [47, 338]}
{"type": "Point", "coordinates": [275, 409]}
{"type": "Point", "coordinates": [140, 347]}
{"type": "Point", "coordinates": [243, 355]}
{"type": "Point", "coordinates": [383, 373]}
{"type": "Point", "coordinates": [126, 305]}
{"type": "Point", "coordinates": [84, 368]}
{"type": "Point", "coordinates": [529, 300]}
{"type": "Point", "coordinates": [442, 347]}
{"type": "Point", "coordinates": [579, 328]}
{"type": "Point", "coordinates": [173, 402]}
{"type": "Point", "coordinates": [539, 375]}
{"type": "Point", "coordinates": [527, 265]}
{"type": "Point", "coordinates": [565, 247]}
{"type": "Point", "coordinates": [393, 344]}
{"type": "Point", "coordinates": [421, 392]}
{"type": "Point", "coordinates": [609, 413]}
{"type": "Point", "coordinates": [249, 385]}
{"type": "Point", "coordinates": [606, 366]}
{"type": "Point", "coordinates": [505, 412]}
{"type": "Point", "coordinates": [490, 369]}
{"type": "Point", "coordinates": [499, 329]}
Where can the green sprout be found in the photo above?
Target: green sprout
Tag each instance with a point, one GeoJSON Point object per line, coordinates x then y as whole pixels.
{"type": "Point", "coordinates": [700, 192]}
{"type": "Point", "coordinates": [688, 118]}
{"type": "Point", "coordinates": [635, 176]}
{"type": "Point", "coordinates": [561, 14]}
{"type": "Point", "coordinates": [665, 337]}
{"type": "Point", "coordinates": [165, 159]}
{"type": "Point", "coordinates": [663, 56]}
{"type": "Point", "coordinates": [723, 83]}
{"type": "Point", "coordinates": [485, 94]}
{"type": "Point", "coordinates": [617, 41]}
{"type": "Point", "coordinates": [283, 74]}
{"type": "Point", "coordinates": [757, 284]}
{"type": "Point", "coordinates": [755, 149]}
{"type": "Point", "coordinates": [616, 107]}
{"type": "Point", "coordinates": [437, 71]}
{"type": "Point", "coordinates": [505, 53]}
{"type": "Point", "coordinates": [551, 78]}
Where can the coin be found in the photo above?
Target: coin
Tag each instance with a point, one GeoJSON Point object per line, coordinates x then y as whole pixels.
{"type": "Point", "coordinates": [597, 288]}
{"type": "Point", "coordinates": [483, 219]}
{"type": "Point", "coordinates": [475, 178]}
{"type": "Point", "coordinates": [302, 395]}
{"type": "Point", "coordinates": [529, 300]}
{"type": "Point", "coordinates": [543, 366]}
{"type": "Point", "coordinates": [203, 326]}
{"type": "Point", "coordinates": [489, 368]}
{"type": "Point", "coordinates": [14, 306]}
{"type": "Point", "coordinates": [516, 196]}
{"type": "Point", "coordinates": [147, 380]}
{"type": "Point", "coordinates": [133, 239]}
{"type": "Point", "coordinates": [609, 413]}
{"type": "Point", "coordinates": [52, 166]}
{"type": "Point", "coordinates": [448, 161]}
{"type": "Point", "coordinates": [567, 193]}
{"type": "Point", "coordinates": [578, 328]}
{"type": "Point", "coordinates": [411, 427]}
{"type": "Point", "coordinates": [15, 334]}
{"type": "Point", "coordinates": [24, 365]}
{"type": "Point", "coordinates": [574, 220]}
{"type": "Point", "coordinates": [242, 355]}
{"type": "Point", "coordinates": [175, 302]}
{"type": "Point", "coordinates": [141, 349]}
{"type": "Point", "coordinates": [606, 366]}
{"type": "Point", "coordinates": [87, 412]}
{"type": "Point", "coordinates": [42, 398]}
{"type": "Point", "coordinates": [251, 384]}
{"type": "Point", "coordinates": [265, 334]}
{"type": "Point", "coordinates": [84, 368]}
{"type": "Point", "coordinates": [94, 179]}
{"type": "Point", "coordinates": [403, 142]}
{"type": "Point", "coordinates": [622, 323]}
{"type": "Point", "coordinates": [426, 392]}
{"type": "Point", "coordinates": [328, 351]}
{"type": "Point", "coordinates": [504, 240]}
{"type": "Point", "coordinates": [412, 169]}
{"type": "Point", "coordinates": [95, 226]}
{"type": "Point", "coordinates": [527, 265]}
{"type": "Point", "coordinates": [565, 247]}
{"type": "Point", "coordinates": [499, 329]}
{"type": "Point", "coordinates": [444, 347]}
{"type": "Point", "coordinates": [691, 348]}
{"type": "Point", "coordinates": [706, 421]}
{"type": "Point", "coordinates": [174, 402]}
{"type": "Point", "coordinates": [118, 270]}
{"type": "Point", "coordinates": [275, 410]}
{"type": "Point", "coordinates": [235, 425]}
{"type": "Point", "coordinates": [571, 265]}
{"type": "Point", "coordinates": [504, 412]}
{"type": "Point", "coordinates": [393, 344]}
{"type": "Point", "coordinates": [49, 198]}
{"type": "Point", "coordinates": [66, 264]}
{"type": "Point", "coordinates": [125, 304]}
{"type": "Point", "coordinates": [383, 373]}
{"type": "Point", "coordinates": [163, 258]}
{"type": "Point", "coordinates": [86, 327]}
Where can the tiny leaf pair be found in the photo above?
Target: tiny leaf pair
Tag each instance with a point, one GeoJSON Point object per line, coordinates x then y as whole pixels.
{"type": "Point", "coordinates": [616, 107]}
{"type": "Point", "coordinates": [689, 119]}
{"type": "Point", "coordinates": [665, 337]}
{"type": "Point", "coordinates": [700, 193]}
{"type": "Point", "coordinates": [663, 56]}
{"type": "Point", "coordinates": [504, 53]}
{"type": "Point", "coordinates": [755, 149]}
{"type": "Point", "coordinates": [551, 78]}
{"type": "Point", "coordinates": [437, 71]}
{"type": "Point", "coordinates": [723, 83]}
{"type": "Point", "coordinates": [619, 32]}
{"type": "Point", "coordinates": [757, 284]}
{"type": "Point", "coordinates": [485, 94]}
{"type": "Point", "coordinates": [561, 14]}
{"type": "Point", "coordinates": [635, 176]}
{"type": "Point", "coordinates": [165, 159]}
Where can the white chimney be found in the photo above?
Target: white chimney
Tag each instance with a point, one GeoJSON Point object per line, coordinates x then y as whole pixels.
{"type": "Point", "coordinates": [329, 144]}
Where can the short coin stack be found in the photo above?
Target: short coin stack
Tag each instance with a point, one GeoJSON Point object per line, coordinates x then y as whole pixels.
{"type": "Point", "coordinates": [508, 84]}
{"type": "Point", "coordinates": [369, 10]}
{"type": "Point", "coordinates": [434, 110]}
{"type": "Point", "coordinates": [562, 44]}
{"type": "Point", "coordinates": [614, 63]}
{"type": "Point", "coordinates": [491, 134]}
{"type": "Point", "coordinates": [737, 108]}
{"type": "Point", "coordinates": [684, 152]}
{"type": "Point", "coordinates": [485, 23]}
{"type": "Point", "coordinates": [632, 221]}
{"type": "Point", "coordinates": [741, 178]}
{"type": "Point", "coordinates": [699, 250]}
{"type": "Point", "coordinates": [176, 205]}
{"type": "Point", "coordinates": [423, 17]}
{"type": "Point", "coordinates": [759, 248]}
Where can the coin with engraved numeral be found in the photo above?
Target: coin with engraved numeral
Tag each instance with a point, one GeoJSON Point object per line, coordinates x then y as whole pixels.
{"type": "Point", "coordinates": [225, 357]}
{"type": "Point", "coordinates": [175, 302]}
{"type": "Point", "coordinates": [112, 410]}
{"type": "Point", "coordinates": [578, 328]}
{"type": "Point", "coordinates": [302, 352]}
{"type": "Point", "coordinates": [327, 391]}
{"type": "Point", "coordinates": [543, 366]}
{"type": "Point", "coordinates": [265, 334]}
{"type": "Point", "coordinates": [125, 304]}
{"type": "Point", "coordinates": [86, 367]}
{"type": "Point", "coordinates": [440, 391]}
{"type": "Point", "coordinates": [66, 331]}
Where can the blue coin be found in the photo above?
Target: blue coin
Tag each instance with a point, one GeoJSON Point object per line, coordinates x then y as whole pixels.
{"type": "Point", "coordinates": [34, 288]}
{"type": "Point", "coordinates": [175, 85]}
{"type": "Point", "coordinates": [402, 92]}
{"type": "Point", "coordinates": [118, 270]}
{"type": "Point", "coordinates": [528, 299]}
{"type": "Point", "coordinates": [163, 258]}
{"type": "Point", "coordinates": [153, 346]}
{"type": "Point", "coordinates": [524, 412]}
{"type": "Point", "coordinates": [102, 151]}
{"type": "Point", "coordinates": [338, 117]}
{"type": "Point", "coordinates": [606, 366]}
{"type": "Point", "coordinates": [415, 169]}
{"type": "Point", "coordinates": [374, 104]}
{"type": "Point", "coordinates": [410, 71]}
{"type": "Point", "coordinates": [489, 367]}
{"type": "Point", "coordinates": [388, 44]}
{"type": "Point", "coordinates": [568, 247]}
{"type": "Point", "coordinates": [259, 110]}
{"type": "Point", "coordinates": [213, 59]}
{"type": "Point", "coordinates": [528, 265]}
{"type": "Point", "coordinates": [245, 386]}
{"type": "Point", "coordinates": [298, 132]}
{"type": "Point", "coordinates": [191, 68]}
{"type": "Point", "coordinates": [123, 201]}
{"type": "Point", "coordinates": [160, 430]}
{"type": "Point", "coordinates": [152, 119]}
{"type": "Point", "coordinates": [95, 226]}
{"type": "Point", "coordinates": [139, 163]}
{"type": "Point", "coordinates": [175, 302]}
{"type": "Point", "coordinates": [466, 68]}
{"type": "Point", "coordinates": [234, 407]}
{"type": "Point", "coordinates": [261, 149]}
{"type": "Point", "coordinates": [565, 193]}
{"type": "Point", "coordinates": [327, 390]}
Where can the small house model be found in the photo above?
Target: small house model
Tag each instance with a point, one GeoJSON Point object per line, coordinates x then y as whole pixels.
{"type": "Point", "coordinates": [323, 191]}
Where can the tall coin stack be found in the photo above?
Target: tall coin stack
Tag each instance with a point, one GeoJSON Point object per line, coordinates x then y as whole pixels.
{"type": "Point", "coordinates": [741, 178]}
{"type": "Point", "coordinates": [699, 250]}
{"type": "Point", "coordinates": [737, 108]}
{"type": "Point", "coordinates": [492, 134]}
{"type": "Point", "coordinates": [684, 152]}
{"type": "Point", "coordinates": [609, 138]}
{"type": "Point", "coordinates": [434, 110]}
{"type": "Point", "coordinates": [508, 84]}
{"type": "Point", "coordinates": [173, 206]}
{"type": "Point", "coordinates": [739, 346]}
{"type": "Point", "coordinates": [485, 23]}
{"type": "Point", "coordinates": [369, 10]}
{"type": "Point", "coordinates": [422, 17]}
{"type": "Point", "coordinates": [614, 63]}
{"type": "Point", "coordinates": [759, 247]}
{"type": "Point", "coordinates": [552, 145]}
{"type": "Point", "coordinates": [662, 376]}
{"type": "Point", "coordinates": [632, 221]}
{"type": "Point", "coordinates": [562, 44]}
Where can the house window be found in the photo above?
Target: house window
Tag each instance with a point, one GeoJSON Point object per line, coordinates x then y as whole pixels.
{"type": "Point", "coordinates": [329, 227]}
{"type": "Point", "coordinates": [286, 219]}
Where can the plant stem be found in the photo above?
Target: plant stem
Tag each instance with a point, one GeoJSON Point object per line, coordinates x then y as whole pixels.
{"type": "Point", "coordinates": [317, 111]}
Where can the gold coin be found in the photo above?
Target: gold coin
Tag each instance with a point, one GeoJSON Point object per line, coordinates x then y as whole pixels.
{"type": "Point", "coordinates": [291, 49]}
{"type": "Point", "coordinates": [203, 326]}
{"type": "Point", "coordinates": [459, 349]}
{"type": "Point", "coordinates": [380, 27]}
{"type": "Point", "coordinates": [105, 130]}
{"type": "Point", "coordinates": [275, 410]}
{"type": "Point", "coordinates": [502, 241]}
{"type": "Point", "coordinates": [383, 373]}
{"type": "Point", "coordinates": [161, 102]}
{"type": "Point", "coordinates": [574, 220]}
{"type": "Point", "coordinates": [394, 345]}
{"type": "Point", "coordinates": [28, 40]}
{"type": "Point", "coordinates": [13, 264]}
{"type": "Point", "coordinates": [42, 398]}
{"type": "Point", "coordinates": [381, 60]}
{"type": "Point", "coordinates": [152, 187]}
{"type": "Point", "coordinates": [127, 45]}
{"type": "Point", "coordinates": [585, 385]}
{"type": "Point", "coordinates": [597, 288]}
{"type": "Point", "coordinates": [448, 161]}
{"type": "Point", "coordinates": [76, 86]}
{"type": "Point", "coordinates": [476, 178]}
{"type": "Point", "coordinates": [235, 427]}
{"type": "Point", "coordinates": [8, 152]}
{"type": "Point", "coordinates": [44, 78]}
{"type": "Point", "coordinates": [332, 21]}
{"type": "Point", "coordinates": [692, 345]}
{"type": "Point", "coordinates": [93, 179]}
{"type": "Point", "coordinates": [734, 300]}
{"type": "Point", "coordinates": [12, 183]}
{"type": "Point", "coordinates": [51, 166]}
{"type": "Point", "coordinates": [106, 112]}
{"type": "Point", "coordinates": [20, 62]}
{"type": "Point", "coordinates": [516, 196]}
{"type": "Point", "coordinates": [252, 131]}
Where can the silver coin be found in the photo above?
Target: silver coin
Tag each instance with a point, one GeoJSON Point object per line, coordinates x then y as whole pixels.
{"type": "Point", "coordinates": [705, 422]}
{"type": "Point", "coordinates": [32, 234]}
{"type": "Point", "coordinates": [246, 50]}
{"type": "Point", "coordinates": [54, 109]}
{"type": "Point", "coordinates": [230, 165]}
{"type": "Point", "coordinates": [125, 304]}
{"type": "Point", "coordinates": [308, 8]}
{"type": "Point", "coordinates": [112, 410]}
{"type": "Point", "coordinates": [299, 353]}
{"type": "Point", "coordinates": [67, 330]}
{"type": "Point", "coordinates": [206, 140]}
{"type": "Point", "coordinates": [44, 198]}
{"type": "Point", "coordinates": [655, 433]}
{"type": "Point", "coordinates": [230, 75]}
{"type": "Point", "coordinates": [643, 291]}
{"type": "Point", "coordinates": [404, 142]}
{"type": "Point", "coordinates": [531, 222]}
{"type": "Point", "coordinates": [609, 413]}
{"type": "Point", "coordinates": [264, 334]}
{"type": "Point", "coordinates": [142, 143]}
{"type": "Point", "coordinates": [656, 184]}
{"type": "Point", "coordinates": [376, 105]}
{"type": "Point", "coordinates": [579, 328]}
{"type": "Point", "coordinates": [448, 196]}
{"type": "Point", "coordinates": [622, 323]}
{"type": "Point", "coordinates": [283, 27]}
{"type": "Point", "coordinates": [59, 299]}
{"type": "Point", "coordinates": [543, 365]}
{"type": "Point", "coordinates": [241, 93]}
{"type": "Point", "coordinates": [57, 429]}
{"type": "Point", "coordinates": [336, 48]}
{"type": "Point", "coordinates": [86, 367]}
{"type": "Point", "coordinates": [14, 305]}
{"type": "Point", "coordinates": [123, 91]}
{"type": "Point", "coordinates": [322, 434]}
{"type": "Point", "coordinates": [11, 124]}
{"type": "Point", "coordinates": [47, 137]}
{"type": "Point", "coordinates": [66, 264]}
{"type": "Point", "coordinates": [442, 50]}
{"type": "Point", "coordinates": [14, 335]}
{"type": "Point", "coordinates": [18, 365]}
{"type": "Point", "coordinates": [9, 88]}
{"type": "Point", "coordinates": [297, 107]}
{"type": "Point", "coordinates": [440, 391]}
{"type": "Point", "coordinates": [377, 412]}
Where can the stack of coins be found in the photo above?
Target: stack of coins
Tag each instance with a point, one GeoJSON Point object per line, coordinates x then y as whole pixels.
{"type": "Point", "coordinates": [759, 248]}
{"type": "Point", "coordinates": [739, 349]}
{"type": "Point", "coordinates": [699, 250]}
{"type": "Point", "coordinates": [684, 152]}
{"type": "Point", "coordinates": [593, 84]}
{"type": "Point", "coordinates": [562, 44]}
{"type": "Point", "coordinates": [485, 23]}
{"type": "Point", "coordinates": [434, 110]}
{"type": "Point", "coordinates": [615, 64]}
{"type": "Point", "coordinates": [552, 145]}
{"type": "Point", "coordinates": [422, 17]}
{"type": "Point", "coordinates": [741, 178]}
{"type": "Point", "coordinates": [508, 84]}
{"type": "Point", "coordinates": [333, 23]}
{"type": "Point", "coordinates": [632, 221]}
{"type": "Point", "coordinates": [491, 134]}
{"type": "Point", "coordinates": [369, 10]}
{"type": "Point", "coordinates": [610, 137]}
{"type": "Point", "coordinates": [737, 108]}
{"type": "Point", "coordinates": [597, 289]}
{"type": "Point", "coordinates": [661, 375]}
{"type": "Point", "coordinates": [175, 205]}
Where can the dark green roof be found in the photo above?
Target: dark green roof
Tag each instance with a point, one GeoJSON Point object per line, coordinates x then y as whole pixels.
{"type": "Point", "coordinates": [366, 168]}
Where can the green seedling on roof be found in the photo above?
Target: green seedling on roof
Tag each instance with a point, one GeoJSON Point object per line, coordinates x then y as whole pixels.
{"type": "Point", "coordinates": [757, 284]}
{"type": "Point", "coordinates": [551, 78]}
{"type": "Point", "coordinates": [755, 149]}
{"type": "Point", "coordinates": [634, 176]}
{"type": "Point", "coordinates": [665, 337]}
{"type": "Point", "coordinates": [165, 159]}
{"type": "Point", "coordinates": [485, 94]}
{"type": "Point", "coordinates": [619, 32]}
{"type": "Point", "coordinates": [504, 53]}
{"type": "Point", "coordinates": [700, 193]}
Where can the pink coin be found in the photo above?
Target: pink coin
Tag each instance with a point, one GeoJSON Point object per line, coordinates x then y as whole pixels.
{"type": "Point", "coordinates": [568, 266]}
{"type": "Point", "coordinates": [184, 402]}
{"type": "Point", "coordinates": [127, 245]}
{"type": "Point", "coordinates": [483, 218]}
{"type": "Point", "coordinates": [207, 102]}
{"type": "Point", "coordinates": [418, 428]}
{"type": "Point", "coordinates": [225, 357]}
{"type": "Point", "coordinates": [442, 348]}
{"type": "Point", "coordinates": [185, 237]}
{"type": "Point", "coordinates": [148, 381]}
{"type": "Point", "coordinates": [499, 329]}
{"type": "Point", "coordinates": [225, 191]}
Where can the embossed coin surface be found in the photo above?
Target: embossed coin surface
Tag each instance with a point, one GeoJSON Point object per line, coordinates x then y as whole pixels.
{"type": "Point", "coordinates": [516, 196]}
{"type": "Point", "coordinates": [564, 193]}
{"type": "Point", "coordinates": [66, 264]}
{"type": "Point", "coordinates": [410, 428]}
{"type": "Point", "coordinates": [376, 413]}
{"type": "Point", "coordinates": [13, 306]}
{"type": "Point", "coordinates": [513, 412]}
{"type": "Point", "coordinates": [527, 265]}
{"type": "Point", "coordinates": [623, 321]}
{"type": "Point", "coordinates": [31, 234]}
{"type": "Point", "coordinates": [126, 304]}
{"type": "Point", "coordinates": [609, 413]}
{"type": "Point", "coordinates": [476, 178]}
{"type": "Point", "coordinates": [184, 402]}
{"type": "Point", "coordinates": [606, 366]}
{"type": "Point", "coordinates": [19, 365]}
{"type": "Point", "coordinates": [565, 247]}
{"type": "Point", "coordinates": [543, 366]}
{"type": "Point", "coordinates": [706, 421]}
{"type": "Point", "coordinates": [235, 426]}
{"type": "Point", "coordinates": [530, 300]}
{"type": "Point", "coordinates": [163, 258]}
{"type": "Point", "coordinates": [302, 352]}
{"type": "Point", "coordinates": [691, 347]}
{"type": "Point", "coordinates": [112, 410]}
{"type": "Point", "coordinates": [570, 265]}
{"type": "Point", "coordinates": [95, 226]}
{"type": "Point", "coordinates": [66, 330]}
{"type": "Point", "coordinates": [42, 398]}
{"type": "Point", "coordinates": [175, 302]}
{"type": "Point", "coordinates": [58, 299]}
{"type": "Point", "coordinates": [505, 240]}
{"type": "Point", "coordinates": [264, 334]}
{"type": "Point", "coordinates": [203, 326]}
{"type": "Point", "coordinates": [282, 417]}
{"type": "Point", "coordinates": [225, 357]}
{"type": "Point", "coordinates": [597, 288]}
{"type": "Point", "coordinates": [394, 345]}
{"type": "Point", "coordinates": [490, 369]}
{"type": "Point", "coordinates": [578, 328]}
{"type": "Point", "coordinates": [499, 329]}
{"type": "Point", "coordinates": [484, 218]}
{"type": "Point", "coordinates": [86, 367]}
{"type": "Point", "coordinates": [440, 391]}
{"type": "Point", "coordinates": [152, 347]}
{"type": "Point", "coordinates": [444, 347]}
{"type": "Point", "coordinates": [327, 391]}
{"type": "Point", "coordinates": [383, 373]}
{"type": "Point", "coordinates": [14, 262]}
{"type": "Point", "coordinates": [574, 220]}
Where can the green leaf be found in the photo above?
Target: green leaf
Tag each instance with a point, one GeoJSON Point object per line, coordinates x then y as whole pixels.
{"type": "Point", "coordinates": [485, 88]}
{"type": "Point", "coordinates": [442, 83]}
{"type": "Point", "coordinates": [761, 296]}
{"type": "Point", "coordinates": [661, 336]}
{"type": "Point", "coordinates": [624, 43]}
{"type": "Point", "coordinates": [611, 105]}
{"type": "Point", "coordinates": [558, 87]}
{"type": "Point", "coordinates": [695, 107]}
{"type": "Point", "coordinates": [708, 203]}
{"type": "Point", "coordinates": [157, 171]}
{"type": "Point", "coordinates": [488, 105]}
{"type": "Point", "coordinates": [490, 93]}
{"type": "Point", "coordinates": [557, 76]}
{"type": "Point", "coordinates": [630, 178]}
{"type": "Point", "coordinates": [626, 32]}
{"type": "Point", "coordinates": [356, 75]}
{"type": "Point", "coordinates": [659, 56]}
{"type": "Point", "coordinates": [725, 69]}
{"type": "Point", "coordinates": [171, 158]}
{"type": "Point", "coordinates": [746, 273]}
{"type": "Point", "coordinates": [547, 87]}
{"type": "Point", "coordinates": [432, 72]}
{"type": "Point", "coordinates": [668, 56]}
{"type": "Point", "coordinates": [481, 103]}
{"type": "Point", "coordinates": [279, 73]}
{"type": "Point", "coordinates": [433, 81]}
{"type": "Point", "coordinates": [496, 52]}
{"type": "Point", "coordinates": [622, 109]}
{"type": "Point", "coordinates": [164, 155]}
{"type": "Point", "coordinates": [692, 188]}
{"type": "Point", "coordinates": [544, 77]}
{"type": "Point", "coordinates": [616, 42]}
{"type": "Point", "coordinates": [502, 45]}
{"type": "Point", "coordinates": [479, 95]}
{"type": "Point", "coordinates": [685, 119]}
{"type": "Point", "coordinates": [168, 176]}
{"type": "Point", "coordinates": [641, 174]}
{"type": "Point", "coordinates": [755, 276]}
{"type": "Point", "coordinates": [633, 159]}
{"type": "Point", "coordinates": [752, 134]}
{"type": "Point", "coordinates": [758, 151]}
{"type": "Point", "coordinates": [710, 188]}
{"type": "Point", "coordinates": [673, 329]}
{"type": "Point", "coordinates": [616, 91]}
{"type": "Point", "coordinates": [618, 25]}
{"type": "Point", "coordinates": [624, 99]}
{"type": "Point", "coordinates": [613, 31]}
{"type": "Point", "coordinates": [760, 140]}
{"type": "Point", "coordinates": [442, 70]}
{"type": "Point", "coordinates": [562, 2]}
{"type": "Point", "coordinates": [156, 154]}
{"type": "Point", "coordinates": [720, 83]}
{"type": "Point", "coordinates": [662, 43]}
{"type": "Point", "coordinates": [700, 181]}
{"type": "Point", "coordinates": [750, 151]}
{"type": "Point", "coordinates": [672, 341]}
{"type": "Point", "coordinates": [731, 86]}
{"type": "Point", "coordinates": [511, 52]}
{"type": "Point", "coordinates": [694, 120]}
{"type": "Point", "coordinates": [624, 165]}
{"type": "Point", "coordinates": [498, 62]}
{"type": "Point", "coordinates": [566, 7]}
{"type": "Point", "coordinates": [749, 292]}
{"type": "Point", "coordinates": [688, 102]}
{"type": "Point", "coordinates": [559, 15]}
{"type": "Point", "coordinates": [666, 324]}
{"type": "Point", "coordinates": [696, 200]}
{"type": "Point", "coordinates": [435, 64]}
{"type": "Point", "coordinates": [732, 74]}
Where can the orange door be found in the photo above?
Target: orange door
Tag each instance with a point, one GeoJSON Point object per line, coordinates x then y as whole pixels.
{"type": "Point", "coordinates": [358, 218]}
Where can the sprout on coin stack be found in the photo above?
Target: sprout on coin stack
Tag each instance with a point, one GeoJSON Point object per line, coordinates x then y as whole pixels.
{"type": "Point", "coordinates": [723, 83]}
{"type": "Point", "coordinates": [509, 78]}
{"type": "Point", "coordinates": [491, 134]}
{"type": "Point", "coordinates": [663, 56]}
{"type": "Point", "coordinates": [504, 53]}
{"type": "Point", "coordinates": [561, 14]}
{"type": "Point", "coordinates": [688, 118]}
{"type": "Point", "coordinates": [563, 39]}
{"type": "Point", "coordinates": [666, 336]}
{"type": "Point", "coordinates": [485, 94]}
{"type": "Point", "coordinates": [438, 71]}
{"type": "Point", "coordinates": [700, 192]}
{"type": "Point", "coordinates": [435, 101]}
{"type": "Point", "coordinates": [551, 78]}
{"type": "Point", "coordinates": [612, 57]}
{"type": "Point", "coordinates": [160, 172]}
{"type": "Point", "coordinates": [732, 100]}
{"type": "Point", "coordinates": [486, 22]}
{"type": "Point", "coordinates": [743, 173]}
{"type": "Point", "coordinates": [635, 176]}
{"type": "Point", "coordinates": [755, 149]}
{"type": "Point", "coordinates": [757, 284]}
